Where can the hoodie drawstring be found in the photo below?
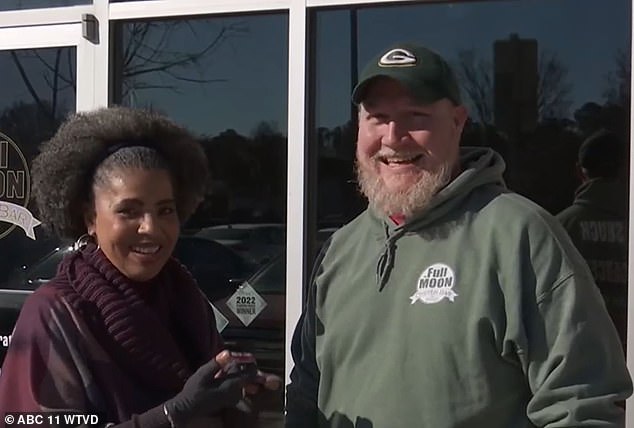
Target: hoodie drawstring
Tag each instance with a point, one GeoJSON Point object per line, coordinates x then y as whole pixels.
{"type": "Point", "coordinates": [386, 259]}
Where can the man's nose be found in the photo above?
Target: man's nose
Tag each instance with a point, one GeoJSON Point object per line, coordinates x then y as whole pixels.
{"type": "Point", "coordinates": [395, 133]}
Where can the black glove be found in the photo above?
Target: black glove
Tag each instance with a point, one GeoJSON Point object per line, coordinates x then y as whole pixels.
{"type": "Point", "coordinates": [204, 394]}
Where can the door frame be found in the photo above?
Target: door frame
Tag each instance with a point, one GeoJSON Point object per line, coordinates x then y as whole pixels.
{"type": "Point", "coordinates": [59, 35]}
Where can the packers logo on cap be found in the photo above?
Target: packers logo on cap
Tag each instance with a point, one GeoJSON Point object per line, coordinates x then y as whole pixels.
{"type": "Point", "coordinates": [397, 58]}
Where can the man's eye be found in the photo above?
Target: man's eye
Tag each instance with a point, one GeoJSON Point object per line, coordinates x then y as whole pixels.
{"type": "Point", "coordinates": [378, 117]}
{"type": "Point", "coordinates": [419, 114]}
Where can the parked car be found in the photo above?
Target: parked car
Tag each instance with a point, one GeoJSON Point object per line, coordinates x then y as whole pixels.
{"type": "Point", "coordinates": [259, 242]}
{"type": "Point", "coordinates": [214, 266]}
{"type": "Point", "coordinates": [210, 262]}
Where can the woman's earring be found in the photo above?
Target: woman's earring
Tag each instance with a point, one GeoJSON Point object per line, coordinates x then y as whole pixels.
{"type": "Point", "coordinates": [83, 241]}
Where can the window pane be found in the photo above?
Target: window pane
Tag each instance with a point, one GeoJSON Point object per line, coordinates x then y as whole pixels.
{"type": "Point", "coordinates": [536, 79]}
{"type": "Point", "coordinates": [38, 93]}
{"type": "Point", "coordinates": [226, 79]}
{"type": "Point", "coordinates": [576, 75]}
{"type": "Point", "coordinates": [37, 4]}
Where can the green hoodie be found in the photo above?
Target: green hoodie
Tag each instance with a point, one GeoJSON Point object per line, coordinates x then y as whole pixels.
{"type": "Point", "coordinates": [476, 313]}
{"type": "Point", "coordinates": [597, 223]}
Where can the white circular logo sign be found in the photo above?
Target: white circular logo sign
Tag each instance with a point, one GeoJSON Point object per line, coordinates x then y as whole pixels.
{"type": "Point", "coordinates": [15, 189]}
{"type": "Point", "coordinates": [434, 284]}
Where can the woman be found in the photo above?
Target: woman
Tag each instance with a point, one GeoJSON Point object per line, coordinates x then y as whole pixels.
{"type": "Point", "coordinates": [122, 330]}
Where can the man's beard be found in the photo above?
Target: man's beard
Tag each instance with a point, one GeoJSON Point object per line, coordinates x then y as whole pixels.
{"type": "Point", "coordinates": [406, 202]}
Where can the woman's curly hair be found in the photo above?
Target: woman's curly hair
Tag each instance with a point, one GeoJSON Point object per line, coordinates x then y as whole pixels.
{"type": "Point", "coordinates": [64, 170]}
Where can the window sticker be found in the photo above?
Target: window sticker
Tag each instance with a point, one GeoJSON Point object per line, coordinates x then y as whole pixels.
{"type": "Point", "coordinates": [246, 303]}
{"type": "Point", "coordinates": [15, 190]}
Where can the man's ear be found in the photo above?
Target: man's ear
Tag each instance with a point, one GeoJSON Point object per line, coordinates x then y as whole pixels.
{"type": "Point", "coordinates": [360, 111]}
{"type": "Point", "coordinates": [460, 117]}
{"type": "Point", "coordinates": [581, 173]}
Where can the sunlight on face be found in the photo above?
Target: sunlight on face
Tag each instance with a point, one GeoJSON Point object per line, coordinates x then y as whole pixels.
{"type": "Point", "coordinates": [406, 151]}
{"type": "Point", "coordinates": [135, 221]}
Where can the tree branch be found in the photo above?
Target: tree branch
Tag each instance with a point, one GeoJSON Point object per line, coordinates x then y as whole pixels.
{"type": "Point", "coordinates": [28, 84]}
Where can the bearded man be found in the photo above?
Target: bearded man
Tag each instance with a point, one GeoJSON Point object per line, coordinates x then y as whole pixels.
{"type": "Point", "coordinates": [451, 301]}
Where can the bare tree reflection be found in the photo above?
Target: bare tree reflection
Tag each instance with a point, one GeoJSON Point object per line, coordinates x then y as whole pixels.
{"type": "Point", "coordinates": [146, 50]}
{"type": "Point", "coordinates": [57, 70]}
{"type": "Point", "coordinates": [617, 81]}
{"type": "Point", "coordinates": [475, 73]}
{"type": "Point", "coordinates": [553, 87]}
{"type": "Point", "coordinates": [145, 61]}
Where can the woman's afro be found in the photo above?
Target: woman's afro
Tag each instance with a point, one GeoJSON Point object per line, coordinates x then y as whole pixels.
{"type": "Point", "coordinates": [63, 171]}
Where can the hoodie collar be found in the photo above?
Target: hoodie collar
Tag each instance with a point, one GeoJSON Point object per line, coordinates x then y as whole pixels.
{"type": "Point", "coordinates": [604, 194]}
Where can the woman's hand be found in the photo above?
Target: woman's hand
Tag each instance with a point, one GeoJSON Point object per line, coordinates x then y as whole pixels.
{"type": "Point", "coordinates": [264, 380]}
{"type": "Point", "coordinates": [214, 386]}
{"type": "Point", "coordinates": [245, 362]}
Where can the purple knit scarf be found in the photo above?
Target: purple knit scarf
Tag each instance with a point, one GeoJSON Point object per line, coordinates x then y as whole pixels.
{"type": "Point", "coordinates": [130, 331]}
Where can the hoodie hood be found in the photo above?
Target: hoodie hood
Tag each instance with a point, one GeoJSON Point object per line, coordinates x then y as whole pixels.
{"type": "Point", "coordinates": [480, 167]}
{"type": "Point", "coordinates": [603, 195]}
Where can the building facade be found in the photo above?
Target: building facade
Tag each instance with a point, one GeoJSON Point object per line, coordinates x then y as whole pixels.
{"type": "Point", "coordinates": [266, 85]}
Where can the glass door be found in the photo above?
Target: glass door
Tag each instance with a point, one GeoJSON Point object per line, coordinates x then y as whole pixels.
{"type": "Point", "coordinates": [225, 78]}
{"type": "Point", "coordinates": [40, 83]}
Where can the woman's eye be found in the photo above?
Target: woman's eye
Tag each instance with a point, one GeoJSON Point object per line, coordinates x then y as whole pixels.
{"type": "Point", "coordinates": [167, 211]}
{"type": "Point", "coordinates": [127, 212]}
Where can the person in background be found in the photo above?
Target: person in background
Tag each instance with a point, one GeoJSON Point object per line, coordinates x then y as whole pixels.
{"type": "Point", "coordinates": [122, 331]}
{"type": "Point", "coordinates": [451, 301]}
{"type": "Point", "coordinates": [597, 220]}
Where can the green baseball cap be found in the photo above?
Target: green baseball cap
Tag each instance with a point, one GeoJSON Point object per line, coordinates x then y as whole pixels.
{"type": "Point", "coordinates": [424, 72]}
